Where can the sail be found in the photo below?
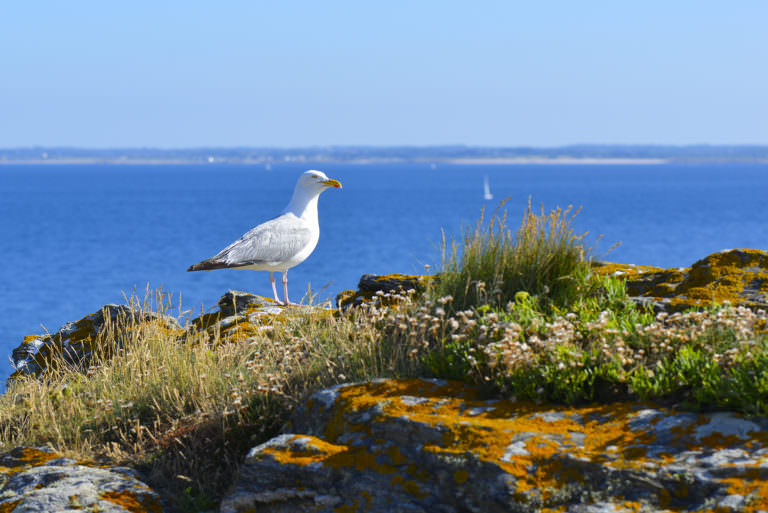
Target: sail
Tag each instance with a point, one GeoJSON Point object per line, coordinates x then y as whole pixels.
{"type": "Point", "coordinates": [487, 190]}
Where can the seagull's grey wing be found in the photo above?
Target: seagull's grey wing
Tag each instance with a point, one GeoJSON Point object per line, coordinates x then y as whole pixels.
{"type": "Point", "coordinates": [275, 241]}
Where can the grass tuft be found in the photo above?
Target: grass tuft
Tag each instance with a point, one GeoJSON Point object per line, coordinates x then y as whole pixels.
{"type": "Point", "coordinates": [489, 265]}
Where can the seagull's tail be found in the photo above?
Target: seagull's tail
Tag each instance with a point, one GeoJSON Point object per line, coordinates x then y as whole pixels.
{"type": "Point", "coordinates": [207, 265]}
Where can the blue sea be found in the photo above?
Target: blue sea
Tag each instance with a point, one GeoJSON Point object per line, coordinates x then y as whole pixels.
{"type": "Point", "coordinates": [75, 237]}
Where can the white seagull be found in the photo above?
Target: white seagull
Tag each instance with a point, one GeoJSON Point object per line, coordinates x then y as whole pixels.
{"type": "Point", "coordinates": [282, 242]}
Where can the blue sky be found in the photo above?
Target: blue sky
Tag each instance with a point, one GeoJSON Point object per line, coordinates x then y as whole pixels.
{"type": "Point", "coordinates": [235, 73]}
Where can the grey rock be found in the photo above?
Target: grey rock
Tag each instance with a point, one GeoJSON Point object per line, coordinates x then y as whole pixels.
{"type": "Point", "coordinates": [235, 302]}
{"type": "Point", "coordinates": [73, 339]}
{"type": "Point", "coordinates": [36, 480]}
{"type": "Point", "coordinates": [416, 445]}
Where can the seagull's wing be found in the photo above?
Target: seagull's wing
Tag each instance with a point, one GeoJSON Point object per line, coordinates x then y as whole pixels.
{"type": "Point", "coordinates": [275, 241]}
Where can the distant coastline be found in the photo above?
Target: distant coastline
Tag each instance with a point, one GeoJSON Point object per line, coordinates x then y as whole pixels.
{"type": "Point", "coordinates": [558, 160]}
{"type": "Point", "coordinates": [569, 155]}
{"type": "Point", "coordinates": [468, 161]}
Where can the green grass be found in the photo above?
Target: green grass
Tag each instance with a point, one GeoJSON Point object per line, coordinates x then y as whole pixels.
{"type": "Point", "coordinates": [552, 330]}
{"type": "Point", "coordinates": [545, 257]}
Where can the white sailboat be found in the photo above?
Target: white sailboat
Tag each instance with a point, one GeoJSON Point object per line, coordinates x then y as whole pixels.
{"type": "Point", "coordinates": [486, 190]}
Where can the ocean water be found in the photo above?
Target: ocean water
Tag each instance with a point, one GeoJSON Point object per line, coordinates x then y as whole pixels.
{"type": "Point", "coordinates": [76, 237]}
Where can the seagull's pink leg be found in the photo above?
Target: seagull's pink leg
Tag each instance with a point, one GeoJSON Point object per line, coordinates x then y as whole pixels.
{"type": "Point", "coordinates": [285, 287]}
{"type": "Point", "coordinates": [274, 289]}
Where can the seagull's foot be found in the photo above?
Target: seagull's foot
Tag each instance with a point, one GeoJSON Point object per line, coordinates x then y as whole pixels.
{"type": "Point", "coordinates": [285, 303]}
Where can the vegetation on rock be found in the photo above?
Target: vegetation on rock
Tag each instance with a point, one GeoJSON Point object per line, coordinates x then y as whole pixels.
{"type": "Point", "coordinates": [525, 316]}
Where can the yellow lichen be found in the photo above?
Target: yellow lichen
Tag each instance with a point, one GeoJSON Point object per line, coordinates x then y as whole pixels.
{"type": "Point", "coordinates": [31, 457]}
{"type": "Point", "coordinates": [8, 507]}
{"type": "Point", "coordinates": [738, 276]}
{"type": "Point", "coordinates": [132, 502]}
{"type": "Point", "coordinates": [489, 431]}
{"type": "Point", "coordinates": [624, 270]}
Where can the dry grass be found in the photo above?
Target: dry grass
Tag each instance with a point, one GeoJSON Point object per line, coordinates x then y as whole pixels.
{"type": "Point", "coordinates": [184, 408]}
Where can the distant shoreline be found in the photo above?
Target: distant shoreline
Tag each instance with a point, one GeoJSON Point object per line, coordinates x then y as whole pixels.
{"type": "Point", "coordinates": [577, 154]}
{"type": "Point", "coordinates": [449, 161]}
{"type": "Point", "coordinates": [558, 160]}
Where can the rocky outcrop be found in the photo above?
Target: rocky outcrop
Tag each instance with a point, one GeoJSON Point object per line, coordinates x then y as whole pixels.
{"type": "Point", "coordinates": [242, 315]}
{"type": "Point", "coordinates": [77, 342]}
{"type": "Point", "coordinates": [739, 276]}
{"type": "Point", "coordinates": [372, 285]}
{"type": "Point", "coordinates": [434, 446]}
{"type": "Point", "coordinates": [38, 480]}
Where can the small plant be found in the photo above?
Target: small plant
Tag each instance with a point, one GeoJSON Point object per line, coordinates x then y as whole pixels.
{"type": "Point", "coordinates": [713, 359]}
{"type": "Point", "coordinates": [545, 258]}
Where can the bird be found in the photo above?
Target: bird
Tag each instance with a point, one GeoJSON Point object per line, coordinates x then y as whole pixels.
{"type": "Point", "coordinates": [280, 243]}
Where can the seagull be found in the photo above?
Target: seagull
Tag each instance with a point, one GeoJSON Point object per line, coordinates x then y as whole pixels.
{"type": "Point", "coordinates": [282, 242]}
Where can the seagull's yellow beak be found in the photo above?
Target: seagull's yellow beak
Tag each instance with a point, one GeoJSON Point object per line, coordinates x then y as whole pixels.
{"type": "Point", "coordinates": [332, 183]}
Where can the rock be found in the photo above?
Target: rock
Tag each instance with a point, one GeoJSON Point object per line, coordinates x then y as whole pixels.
{"type": "Point", "coordinates": [370, 284]}
{"type": "Point", "coordinates": [435, 446]}
{"type": "Point", "coordinates": [736, 275]}
{"type": "Point", "coordinates": [739, 276]}
{"type": "Point", "coordinates": [40, 480]}
{"type": "Point", "coordinates": [78, 340]}
{"type": "Point", "coordinates": [242, 315]}
{"type": "Point", "coordinates": [235, 302]}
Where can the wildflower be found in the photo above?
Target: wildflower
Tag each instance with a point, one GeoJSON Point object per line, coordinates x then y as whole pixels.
{"type": "Point", "coordinates": [521, 296]}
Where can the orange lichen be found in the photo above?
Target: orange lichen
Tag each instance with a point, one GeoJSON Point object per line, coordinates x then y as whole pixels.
{"type": "Point", "coordinates": [132, 502]}
{"type": "Point", "coordinates": [8, 507]}
{"type": "Point", "coordinates": [489, 431]}
{"type": "Point", "coordinates": [319, 450]}
{"type": "Point", "coordinates": [31, 457]}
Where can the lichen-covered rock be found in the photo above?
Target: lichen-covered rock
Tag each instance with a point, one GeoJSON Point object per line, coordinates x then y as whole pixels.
{"type": "Point", "coordinates": [77, 341]}
{"type": "Point", "coordinates": [38, 480]}
{"type": "Point", "coordinates": [242, 315]}
{"type": "Point", "coordinates": [739, 276]}
{"type": "Point", "coordinates": [434, 446]}
{"type": "Point", "coordinates": [371, 284]}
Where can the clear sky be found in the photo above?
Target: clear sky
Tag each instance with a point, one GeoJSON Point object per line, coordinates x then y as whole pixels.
{"type": "Point", "coordinates": [286, 73]}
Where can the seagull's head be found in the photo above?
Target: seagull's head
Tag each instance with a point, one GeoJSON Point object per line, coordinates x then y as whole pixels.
{"type": "Point", "coordinates": [317, 181]}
